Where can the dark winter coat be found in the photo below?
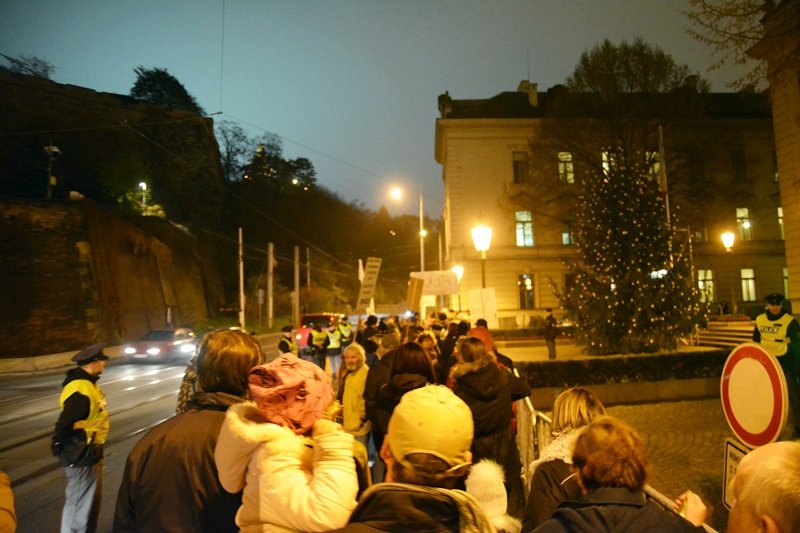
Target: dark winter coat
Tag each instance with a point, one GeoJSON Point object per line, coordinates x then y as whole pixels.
{"type": "Point", "coordinates": [378, 376]}
{"type": "Point", "coordinates": [401, 507]}
{"type": "Point", "coordinates": [489, 393]}
{"type": "Point", "coordinates": [553, 482]}
{"type": "Point", "coordinates": [171, 483]}
{"type": "Point", "coordinates": [611, 509]}
{"type": "Point", "coordinates": [390, 394]}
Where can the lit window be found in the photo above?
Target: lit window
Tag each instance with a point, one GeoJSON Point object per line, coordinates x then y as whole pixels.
{"type": "Point", "coordinates": [700, 235]}
{"type": "Point", "coordinates": [526, 292]}
{"type": "Point", "coordinates": [568, 235]}
{"type": "Point", "coordinates": [780, 221]}
{"type": "Point", "coordinates": [748, 285]}
{"type": "Point", "coordinates": [705, 284]}
{"type": "Point", "coordinates": [520, 161]}
{"type": "Point", "coordinates": [743, 223]}
{"type": "Point", "coordinates": [653, 164]}
{"type": "Point", "coordinates": [524, 229]}
{"type": "Point", "coordinates": [610, 161]}
{"type": "Point", "coordinates": [566, 171]}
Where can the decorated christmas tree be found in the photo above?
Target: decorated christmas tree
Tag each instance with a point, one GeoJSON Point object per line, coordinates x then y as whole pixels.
{"type": "Point", "coordinates": [631, 290]}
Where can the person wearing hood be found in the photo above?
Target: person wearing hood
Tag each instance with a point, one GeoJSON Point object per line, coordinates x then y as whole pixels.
{"type": "Point", "coordinates": [294, 464]}
{"type": "Point", "coordinates": [552, 479]}
{"type": "Point", "coordinates": [489, 392]}
{"type": "Point", "coordinates": [81, 431]}
{"type": "Point", "coordinates": [410, 369]}
{"type": "Point", "coordinates": [170, 481]}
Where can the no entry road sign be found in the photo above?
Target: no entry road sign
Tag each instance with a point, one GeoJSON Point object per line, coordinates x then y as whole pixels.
{"type": "Point", "coordinates": [754, 395]}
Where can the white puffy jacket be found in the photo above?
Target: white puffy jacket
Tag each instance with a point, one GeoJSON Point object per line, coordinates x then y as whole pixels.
{"type": "Point", "coordinates": [290, 482]}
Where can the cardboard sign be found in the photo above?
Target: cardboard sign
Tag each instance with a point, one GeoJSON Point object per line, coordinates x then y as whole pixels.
{"type": "Point", "coordinates": [438, 282]}
{"type": "Point", "coordinates": [369, 282]}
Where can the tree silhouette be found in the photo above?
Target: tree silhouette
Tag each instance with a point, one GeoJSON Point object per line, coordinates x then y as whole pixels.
{"type": "Point", "coordinates": [157, 86]}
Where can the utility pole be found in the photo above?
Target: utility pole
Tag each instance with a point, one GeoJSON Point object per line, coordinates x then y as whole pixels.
{"type": "Point", "coordinates": [270, 274]}
{"type": "Point", "coordinates": [296, 293]}
{"type": "Point", "coordinates": [308, 270]}
{"type": "Point", "coordinates": [241, 280]}
{"type": "Point", "coordinates": [52, 151]}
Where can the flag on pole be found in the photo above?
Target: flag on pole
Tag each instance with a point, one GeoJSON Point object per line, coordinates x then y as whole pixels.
{"type": "Point", "coordinates": [662, 173]}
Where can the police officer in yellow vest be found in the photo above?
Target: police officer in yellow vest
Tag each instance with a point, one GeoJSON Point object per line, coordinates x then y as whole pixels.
{"type": "Point", "coordinates": [346, 330]}
{"type": "Point", "coordinates": [317, 342]}
{"type": "Point", "coordinates": [287, 344]}
{"type": "Point", "coordinates": [80, 433]}
{"type": "Point", "coordinates": [334, 349]}
{"type": "Point", "coordinates": [779, 332]}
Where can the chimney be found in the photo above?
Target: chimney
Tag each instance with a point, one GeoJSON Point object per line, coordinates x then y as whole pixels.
{"type": "Point", "coordinates": [531, 89]}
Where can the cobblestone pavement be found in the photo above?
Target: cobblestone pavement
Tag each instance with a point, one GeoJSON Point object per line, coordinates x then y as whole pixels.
{"type": "Point", "coordinates": [685, 443]}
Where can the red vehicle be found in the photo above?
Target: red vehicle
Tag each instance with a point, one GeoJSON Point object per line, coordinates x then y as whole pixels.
{"type": "Point", "coordinates": [307, 323]}
{"type": "Point", "coordinates": [163, 345]}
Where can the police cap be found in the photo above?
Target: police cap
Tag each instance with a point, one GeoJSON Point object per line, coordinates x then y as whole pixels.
{"type": "Point", "coordinates": [774, 299]}
{"type": "Point", "coordinates": [91, 354]}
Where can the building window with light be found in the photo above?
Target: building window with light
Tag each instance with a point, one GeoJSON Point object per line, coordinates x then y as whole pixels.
{"type": "Point", "coordinates": [700, 234]}
{"type": "Point", "coordinates": [524, 227]}
{"type": "Point", "coordinates": [610, 161]}
{"type": "Point", "coordinates": [780, 221]}
{"type": "Point", "coordinates": [748, 285]}
{"type": "Point", "coordinates": [743, 223]}
{"type": "Point", "coordinates": [653, 164]}
{"type": "Point", "coordinates": [520, 167]}
{"type": "Point", "coordinates": [705, 284]}
{"type": "Point", "coordinates": [526, 292]}
{"type": "Point", "coordinates": [566, 172]}
{"type": "Point", "coordinates": [568, 235]}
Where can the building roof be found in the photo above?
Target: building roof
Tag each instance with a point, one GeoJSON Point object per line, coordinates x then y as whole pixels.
{"type": "Point", "coordinates": [516, 104]}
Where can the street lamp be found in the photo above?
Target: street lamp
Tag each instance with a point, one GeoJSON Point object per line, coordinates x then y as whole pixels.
{"type": "Point", "coordinates": [143, 186]}
{"type": "Point", "coordinates": [396, 194]}
{"type": "Point", "coordinates": [728, 239]}
{"type": "Point", "coordinates": [459, 271]}
{"type": "Point", "coordinates": [482, 239]}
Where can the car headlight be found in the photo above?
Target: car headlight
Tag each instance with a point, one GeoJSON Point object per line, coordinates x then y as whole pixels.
{"type": "Point", "coordinates": [130, 350]}
{"type": "Point", "coordinates": [298, 337]}
{"type": "Point", "coordinates": [153, 351]}
{"type": "Point", "coordinates": [187, 347]}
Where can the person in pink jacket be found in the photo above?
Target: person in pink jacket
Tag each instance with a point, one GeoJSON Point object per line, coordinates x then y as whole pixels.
{"type": "Point", "coordinates": [294, 465]}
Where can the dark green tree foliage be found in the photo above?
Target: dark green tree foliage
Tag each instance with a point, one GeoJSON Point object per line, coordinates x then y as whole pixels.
{"type": "Point", "coordinates": [631, 291]}
{"type": "Point", "coordinates": [157, 86]}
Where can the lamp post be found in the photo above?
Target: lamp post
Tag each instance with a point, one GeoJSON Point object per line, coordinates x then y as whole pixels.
{"type": "Point", "coordinates": [482, 239]}
{"type": "Point", "coordinates": [396, 193]}
{"type": "Point", "coordinates": [459, 271]}
{"type": "Point", "coordinates": [728, 239]}
{"type": "Point", "coordinates": [143, 186]}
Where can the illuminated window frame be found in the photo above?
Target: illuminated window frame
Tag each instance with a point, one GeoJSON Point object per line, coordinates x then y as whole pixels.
{"type": "Point", "coordinates": [524, 229]}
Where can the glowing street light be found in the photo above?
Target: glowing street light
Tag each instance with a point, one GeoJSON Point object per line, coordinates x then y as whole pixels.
{"type": "Point", "coordinates": [143, 186]}
{"type": "Point", "coordinates": [396, 194]}
{"type": "Point", "coordinates": [728, 239]}
{"type": "Point", "coordinates": [482, 239]}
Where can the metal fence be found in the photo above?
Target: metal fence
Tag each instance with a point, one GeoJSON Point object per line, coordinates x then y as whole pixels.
{"type": "Point", "coordinates": [534, 433]}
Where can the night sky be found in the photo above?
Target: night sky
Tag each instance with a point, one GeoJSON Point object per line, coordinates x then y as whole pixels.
{"type": "Point", "coordinates": [350, 85]}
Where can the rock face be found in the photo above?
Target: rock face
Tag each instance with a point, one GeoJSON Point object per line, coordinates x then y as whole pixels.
{"type": "Point", "coordinates": [72, 274]}
{"type": "Point", "coordinates": [72, 270]}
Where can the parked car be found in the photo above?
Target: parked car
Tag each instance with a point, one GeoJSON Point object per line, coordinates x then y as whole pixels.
{"type": "Point", "coordinates": [307, 323]}
{"type": "Point", "coordinates": [163, 345]}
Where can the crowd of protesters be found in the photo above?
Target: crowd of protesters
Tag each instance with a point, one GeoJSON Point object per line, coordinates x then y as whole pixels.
{"type": "Point", "coordinates": [411, 428]}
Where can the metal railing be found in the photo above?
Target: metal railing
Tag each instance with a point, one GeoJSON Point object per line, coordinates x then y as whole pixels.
{"type": "Point", "coordinates": [534, 433]}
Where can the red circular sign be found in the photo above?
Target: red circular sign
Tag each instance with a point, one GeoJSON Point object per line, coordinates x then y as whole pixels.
{"type": "Point", "coordinates": [754, 395]}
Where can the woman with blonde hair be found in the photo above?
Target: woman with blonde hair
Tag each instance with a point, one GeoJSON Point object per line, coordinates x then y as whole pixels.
{"type": "Point", "coordinates": [552, 479]}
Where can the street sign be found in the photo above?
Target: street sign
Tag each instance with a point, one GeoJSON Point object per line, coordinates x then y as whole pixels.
{"type": "Point", "coordinates": [369, 282]}
{"type": "Point", "coordinates": [734, 453]}
{"type": "Point", "coordinates": [754, 395]}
